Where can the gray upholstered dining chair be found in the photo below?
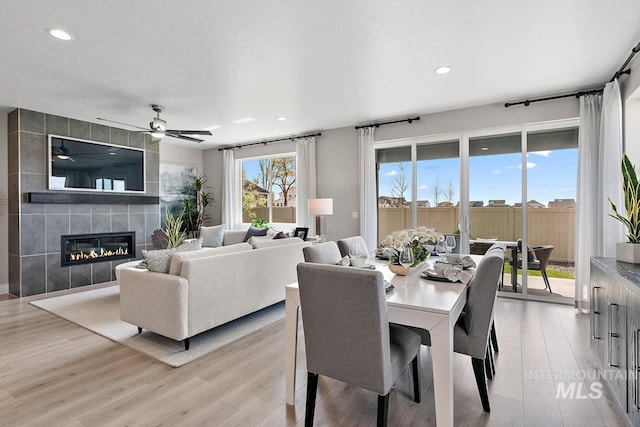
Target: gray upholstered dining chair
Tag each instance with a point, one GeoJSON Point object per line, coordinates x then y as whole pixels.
{"type": "Point", "coordinates": [322, 253]}
{"type": "Point", "coordinates": [347, 334]}
{"type": "Point", "coordinates": [472, 330]}
{"type": "Point", "coordinates": [348, 246]}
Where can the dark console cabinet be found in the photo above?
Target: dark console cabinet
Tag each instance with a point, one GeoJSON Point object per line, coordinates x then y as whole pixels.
{"type": "Point", "coordinates": [615, 329]}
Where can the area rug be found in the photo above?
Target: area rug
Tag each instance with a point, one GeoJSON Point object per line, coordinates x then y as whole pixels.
{"type": "Point", "coordinates": [98, 310]}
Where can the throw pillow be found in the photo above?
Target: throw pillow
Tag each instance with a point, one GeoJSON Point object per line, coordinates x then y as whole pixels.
{"type": "Point", "coordinates": [253, 231]}
{"type": "Point", "coordinates": [192, 245]}
{"type": "Point", "coordinates": [280, 235]}
{"type": "Point", "coordinates": [158, 260]}
{"type": "Point", "coordinates": [212, 237]}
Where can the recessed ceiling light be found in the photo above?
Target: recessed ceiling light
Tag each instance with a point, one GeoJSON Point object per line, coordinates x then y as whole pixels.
{"type": "Point", "coordinates": [213, 127]}
{"type": "Point", "coordinates": [243, 120]}
{"type": "Point", "coordinates": [281, 118]}
{"type": "Point", "coordinates": [484, 148]}
{"type": "Point", "coordinates": [443, 70]}
{"type": "Point", "coordinates": [59, 34]}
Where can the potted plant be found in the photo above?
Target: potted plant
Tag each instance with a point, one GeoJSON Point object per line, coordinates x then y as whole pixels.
{"type": "Point", "coordinates": [421, 240]}
{"type": "Point", "coordinates": [629, 251]}
{"type": "Point", "coordinates": [193, 212]}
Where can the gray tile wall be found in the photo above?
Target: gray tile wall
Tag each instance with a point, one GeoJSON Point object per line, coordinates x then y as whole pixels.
{"type": "Point", "coordinates": [35, 229]}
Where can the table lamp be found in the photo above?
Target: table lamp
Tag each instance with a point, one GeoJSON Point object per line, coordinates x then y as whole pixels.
{"type": "Point", "coordinates": [320, 208]}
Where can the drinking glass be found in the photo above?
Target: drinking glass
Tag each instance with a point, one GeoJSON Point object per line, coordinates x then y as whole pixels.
{"type": "Point", "coordinates": [451, 243]}
{"type": "Point", "coordinates": [358, 254]}
{"type": "Point", "coordinates": [406, 260]}
{"type": "Point", "coordinates": [441, 249]}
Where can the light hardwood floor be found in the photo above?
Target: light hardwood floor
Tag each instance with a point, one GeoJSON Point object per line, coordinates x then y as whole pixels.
{"type": "Point", "coordinates": [53, 372]}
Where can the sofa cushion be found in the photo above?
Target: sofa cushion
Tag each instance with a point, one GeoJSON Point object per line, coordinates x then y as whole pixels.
{"type": "Point", "coordinates": [253, 231]}
{"type": "Point", "coordinates": [179, 257]}
{"type": "Point", "coordinates": [191, 245]}
{"type": "Point", "coordinates": [259, 243]}
{"type": "Point", "coordinates": [212, 237]}
{"type": "Point", "coordinates": [231, 237]}
{"type": "Point", "coordinates": [158, 260]}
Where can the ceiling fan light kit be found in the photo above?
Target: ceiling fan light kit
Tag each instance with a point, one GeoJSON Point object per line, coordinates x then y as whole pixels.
{"type": "Point", "coordinates": [158, 127]}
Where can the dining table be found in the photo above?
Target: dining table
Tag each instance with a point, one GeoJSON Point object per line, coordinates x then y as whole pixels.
{"type": "Point", "coordinates": [434, 305]}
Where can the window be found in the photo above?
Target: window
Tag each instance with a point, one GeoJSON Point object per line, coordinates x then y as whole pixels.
{"type": "Point", "coordinates": [268, 189]}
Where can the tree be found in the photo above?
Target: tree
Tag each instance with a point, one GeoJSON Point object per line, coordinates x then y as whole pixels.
{"type": "Point", "coordinates": [266, 177]}
{"type": "Point", "coordinates": [193, 208]}
{"type": "Point", "coordinates": [284, 175]}
{"type": "Point", "coordinates": [250, 196]}
{"type": "Point", "coordinates": [450, 193]}
{"type": "Point", "coordinates": [438, 191]}
{"type": "Point", "coordinates": [399, 183]}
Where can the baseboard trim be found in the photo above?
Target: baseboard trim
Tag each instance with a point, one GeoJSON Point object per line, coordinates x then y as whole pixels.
{"type": "Point", "coordinates": [4, 289]}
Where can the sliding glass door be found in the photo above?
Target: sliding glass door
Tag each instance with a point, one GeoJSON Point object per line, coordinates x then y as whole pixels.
{"type": "Point", "coordinates": [517, 186]}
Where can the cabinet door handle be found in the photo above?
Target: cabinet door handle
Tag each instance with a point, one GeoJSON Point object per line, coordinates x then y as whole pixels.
{"type": "Point", "coordinates": [636, 370]}
{"type": "Point", "coordinates": [612, 334]}
{"type": "Point", "coordinates": [596, 312]}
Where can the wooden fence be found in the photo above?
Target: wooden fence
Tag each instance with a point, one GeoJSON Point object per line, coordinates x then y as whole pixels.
{"type": "Point", "coordinates": [282, 214]}
{"type": "Point", "coordinates": [546, 226]}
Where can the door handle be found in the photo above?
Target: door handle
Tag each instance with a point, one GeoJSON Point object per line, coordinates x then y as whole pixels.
{"type": "Point", "coordinates": [612, 334]}
{"type": "Point", "coordinates": [596, 312]}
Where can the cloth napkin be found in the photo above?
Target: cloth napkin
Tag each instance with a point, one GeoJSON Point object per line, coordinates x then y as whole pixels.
{"type": "Point", "coordinates": [457, 273]}
{"type": "Point", "coordinates": [467, 262]}
{"type": "Point", "coordinates": [345, 262]}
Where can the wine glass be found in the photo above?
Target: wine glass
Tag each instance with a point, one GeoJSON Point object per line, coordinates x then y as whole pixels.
{"type": "Point", "coordinates": [358, 254]}
{"type": "Point", "coordinates": [441, 249]}
{"type": "Point", "coordinates": [406, 260]}
{"type": "Point", "coordinates": [450, 242]}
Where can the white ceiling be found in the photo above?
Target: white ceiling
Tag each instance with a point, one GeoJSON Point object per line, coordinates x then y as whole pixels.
{"type": "Point", "coordinates": [321, 63]}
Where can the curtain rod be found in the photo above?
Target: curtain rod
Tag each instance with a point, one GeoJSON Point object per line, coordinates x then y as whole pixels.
{"type": "Point", "coordinates": [269, 141]}
{"type": "Point", "coordinates": [616, 75]}
{"type": "Point", "coordinates": [378, 124]}
{"type": "Point", "coordinates": [549, 98]}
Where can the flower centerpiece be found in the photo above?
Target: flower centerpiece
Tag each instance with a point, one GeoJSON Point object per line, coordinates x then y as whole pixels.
{"type": "Point", "coordinates": [421, 240]}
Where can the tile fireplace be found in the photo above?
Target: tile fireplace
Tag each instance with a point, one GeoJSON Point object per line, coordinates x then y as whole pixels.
{"type": "Point", "coordinates": [97, 247]}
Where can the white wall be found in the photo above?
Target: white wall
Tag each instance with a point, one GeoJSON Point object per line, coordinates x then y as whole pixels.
{"type": "Point", "coordinates": [175, 153]}
{"type": "Point", "coordinates": [337, 151]}
{"type": "Point", "coordinates": [4, 232]}
{"type": "Point", "coordinates": [631, 102]}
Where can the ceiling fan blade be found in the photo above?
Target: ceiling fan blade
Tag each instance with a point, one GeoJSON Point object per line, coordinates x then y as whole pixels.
{"type": "Point", "coordinates": [186, 138]}
{"type": "Point", "coordinates": [189, 132]}
{"type": "Point", "coordinates": [121, 123]}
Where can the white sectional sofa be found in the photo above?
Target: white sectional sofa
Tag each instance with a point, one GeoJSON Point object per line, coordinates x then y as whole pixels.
{"type": "Point", "coordinates": [209, 287]}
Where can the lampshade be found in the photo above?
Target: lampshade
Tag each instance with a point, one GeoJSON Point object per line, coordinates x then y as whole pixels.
{"type": "Point", "coordinates": [321, 206]}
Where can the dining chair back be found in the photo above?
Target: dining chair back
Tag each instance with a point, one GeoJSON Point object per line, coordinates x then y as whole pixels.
{"type": "Point", "coordinates": [322, 253]}
{"type": "Point", "coordinates": [348, 336]}
{"type": "Point", "coordinates": [353, 246]}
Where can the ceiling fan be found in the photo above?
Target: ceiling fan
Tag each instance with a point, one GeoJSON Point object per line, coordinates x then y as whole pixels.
{"type": "Point", "coordinates": [62, 152]}
{"type": "Point", "coordinates": [158, 127]}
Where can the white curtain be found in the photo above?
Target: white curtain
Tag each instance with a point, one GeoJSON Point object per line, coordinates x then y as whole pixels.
{"type": "Point", "coordinates": [599, 178]}
{"type": "Point", "coordinates": [305, 181]}
{"type": "Point", "coordinates": [368, 193]}
{"type": "Point", "coordinates": [229, 191]}
{"type": "Point", "coordinates": [587, 219]}
{"type": "Point", "coordinates": [610, 182]}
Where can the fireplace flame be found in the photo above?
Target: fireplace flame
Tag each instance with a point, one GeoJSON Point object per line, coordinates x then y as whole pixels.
{"type": "Point", "coordinates": [80, 256]}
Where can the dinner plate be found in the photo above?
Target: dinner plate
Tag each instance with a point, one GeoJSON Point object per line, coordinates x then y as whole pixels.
{"type": "Point", "coordinates": [431, 274]}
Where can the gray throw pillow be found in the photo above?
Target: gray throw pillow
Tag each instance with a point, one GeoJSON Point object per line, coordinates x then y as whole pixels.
{"type": "Point", "coordinates": [280, 235]}
{"type": "Point", "coordinates": [158, 260]}
{"type": "Point", "coordinates": [253, 231]}
{"type": "Point", "coordinates": [212, 237]}
{"type": "Point", "coordinates": [192, 245]}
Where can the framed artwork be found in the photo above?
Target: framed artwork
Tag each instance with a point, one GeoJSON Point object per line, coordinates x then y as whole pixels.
{"type": "Point", "coordinates": [301, 232]}
{"type": "Point", "coordinates": [174, 187]}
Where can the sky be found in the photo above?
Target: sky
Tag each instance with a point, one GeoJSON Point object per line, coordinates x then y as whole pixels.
{"type": "Point", "coordinates": [550, 175]}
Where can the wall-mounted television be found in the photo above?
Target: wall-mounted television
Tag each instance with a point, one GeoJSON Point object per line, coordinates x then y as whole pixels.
{"type": "Point", "coordinates": [81, 165]}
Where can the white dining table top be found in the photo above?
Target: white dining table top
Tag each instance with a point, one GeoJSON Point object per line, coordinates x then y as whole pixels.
{"type": "Point", "coordinates": [423, 294]}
